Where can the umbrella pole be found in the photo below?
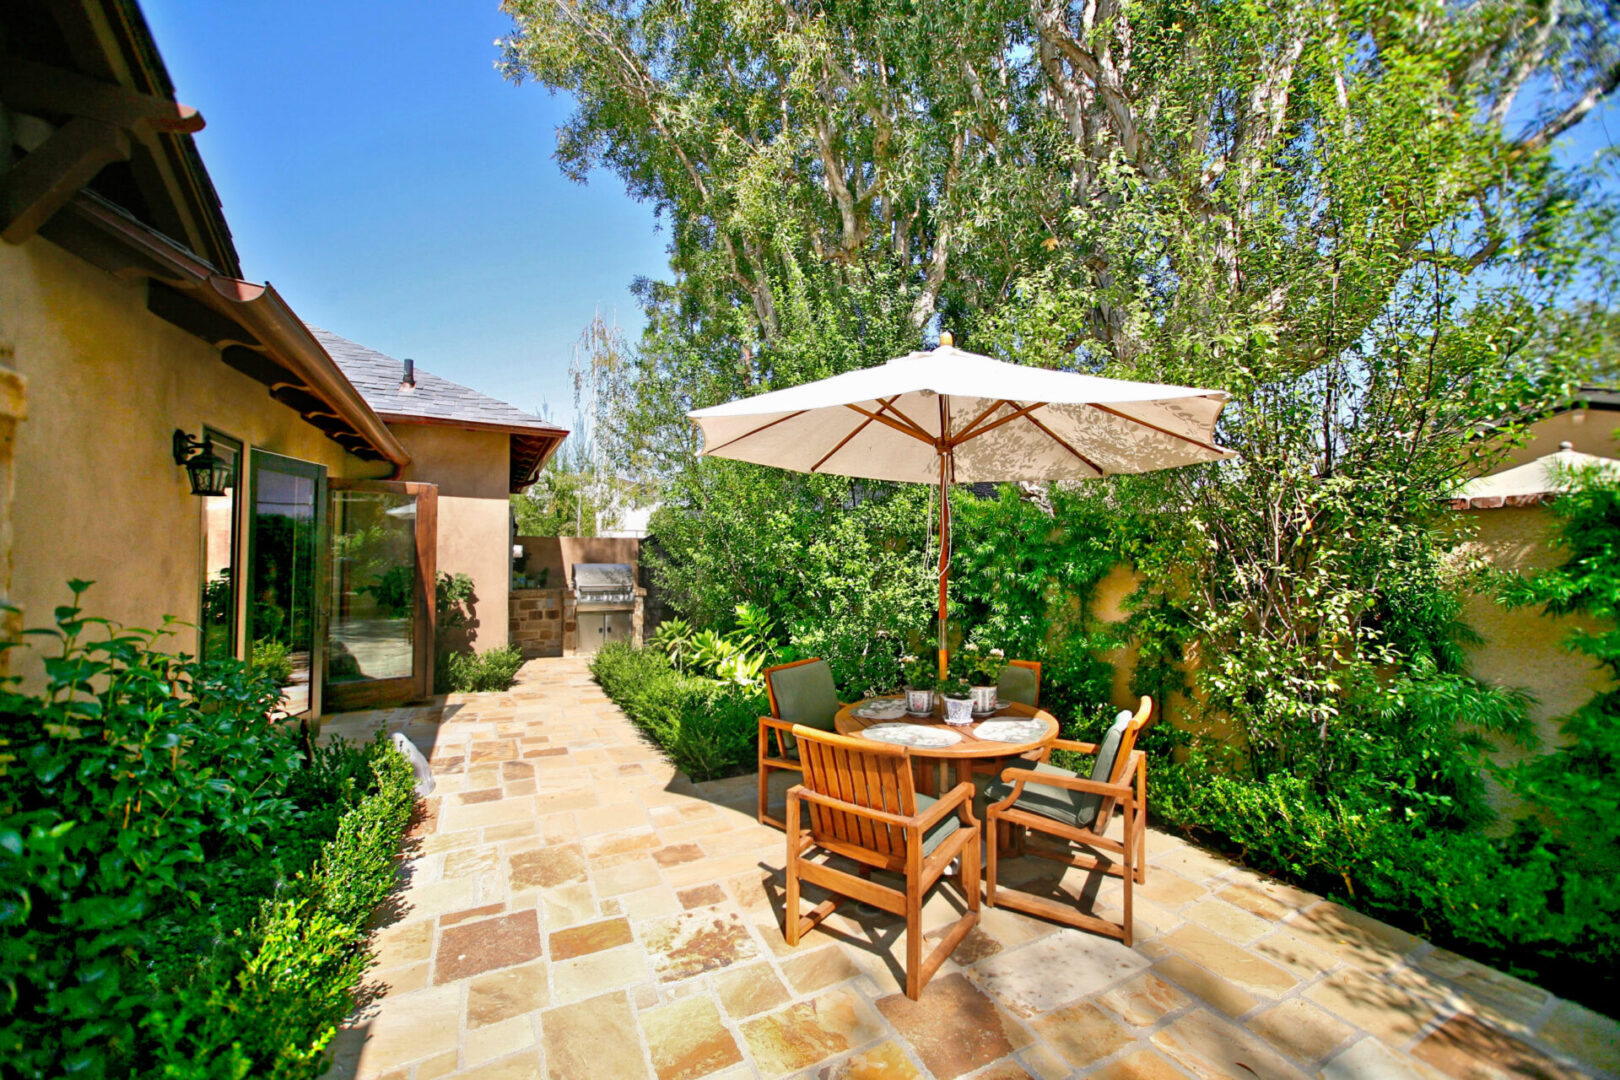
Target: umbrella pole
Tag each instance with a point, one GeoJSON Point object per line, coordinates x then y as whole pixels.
{"type": "Point", "coordinates": [944, 554]}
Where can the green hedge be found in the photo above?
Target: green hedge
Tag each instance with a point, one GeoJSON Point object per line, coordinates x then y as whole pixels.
{"type": "Point", "coordinates": [708, 728]}
{"type": "Point", "coordinates": [1521, 903]}
{"type": "Point", "coordinates": [303, 956]}
{"type": "Point", "coordinates": [184, 884]}
{"type": "Point", "coordinates": [469, 673]}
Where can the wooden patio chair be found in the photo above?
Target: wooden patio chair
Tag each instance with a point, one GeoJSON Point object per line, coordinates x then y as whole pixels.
{"type": "Point", "coordinates": [1021, 682]}
{"type": "Point", "coordinates": [800, 693]}
{"type": "Point", "coordinates": [864, 806]}
{"type": "Point", "coordinates": [1080, 810]}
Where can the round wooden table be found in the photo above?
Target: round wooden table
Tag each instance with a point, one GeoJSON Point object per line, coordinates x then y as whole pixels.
{"type": "Point", "coordinates": [964, 753]}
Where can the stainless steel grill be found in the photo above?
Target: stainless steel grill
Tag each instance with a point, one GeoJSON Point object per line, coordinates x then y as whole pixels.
{"type": "Point", "coordinates": [604, 586]}
{"type": "Point", "coordinates": [604, 602]}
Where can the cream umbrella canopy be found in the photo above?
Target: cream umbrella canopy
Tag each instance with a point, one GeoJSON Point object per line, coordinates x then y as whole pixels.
{"type": "Point", "coordinates": [949, 416]}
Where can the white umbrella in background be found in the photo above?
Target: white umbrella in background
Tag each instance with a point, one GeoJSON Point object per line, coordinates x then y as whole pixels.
{"type": "Point", "coordinates": [949, 416]}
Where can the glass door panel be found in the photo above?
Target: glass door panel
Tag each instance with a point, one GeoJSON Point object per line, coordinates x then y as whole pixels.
{"type": "Point", "coordinates": [288, 514]}
{"type": "Point", "coordinates": [372, 633]}
{"type": "Point", "coordinates": [218, 635]}
{"type": "Point", "coordinates": [379, 636]}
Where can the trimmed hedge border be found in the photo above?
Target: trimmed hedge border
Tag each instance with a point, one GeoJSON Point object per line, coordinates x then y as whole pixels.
{"type": "Point", "coordinates": [303, 957]}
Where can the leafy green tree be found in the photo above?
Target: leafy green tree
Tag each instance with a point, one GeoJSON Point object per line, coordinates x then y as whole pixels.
{"type": "Point", "coordinates": [1347, 216]}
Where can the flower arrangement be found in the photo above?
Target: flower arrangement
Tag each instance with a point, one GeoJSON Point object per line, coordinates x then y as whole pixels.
{"type": "Point", "coordinates": [977, 665]}
{"type": "Point", "coordinates": [918, 672]}
{"type": "Point", "coordinates": [958, 701]}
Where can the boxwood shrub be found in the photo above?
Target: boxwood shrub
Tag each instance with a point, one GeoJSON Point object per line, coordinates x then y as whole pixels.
{"type": "Point", "coordinates": [184, 885]}
{"type": "Point", "coordinates": [708, 728]}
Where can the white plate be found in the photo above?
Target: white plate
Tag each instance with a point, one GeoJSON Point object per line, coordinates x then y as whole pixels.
{"type": "Point", "coordinates": [1010, 731]}
{"type": "Point", "coordinates": [917, 735]}
{"type": "Point", "coordinates": [880, 709]}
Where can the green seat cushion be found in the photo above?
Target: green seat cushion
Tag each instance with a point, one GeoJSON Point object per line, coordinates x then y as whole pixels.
{"type": "Point", "coordinates": [941, 829]}
{"type": "Point", "coordinates": [1073, 808]}
{"type": "Point", "coordinates": [805, 695]}
{"type": "Point", "coordinates": [1076, 808]}
{"type": "Point", "coordinates": [1019, 684]}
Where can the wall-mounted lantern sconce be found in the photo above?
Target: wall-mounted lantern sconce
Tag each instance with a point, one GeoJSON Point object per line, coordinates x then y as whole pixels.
{"type": "Point", "coordinates": [210, 474]}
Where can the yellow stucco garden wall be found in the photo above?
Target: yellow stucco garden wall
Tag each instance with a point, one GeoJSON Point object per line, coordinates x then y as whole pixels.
{"type": "Point", "coordinates": [98, 495]}
{"type": "Point", "coordinates": [471, 469]}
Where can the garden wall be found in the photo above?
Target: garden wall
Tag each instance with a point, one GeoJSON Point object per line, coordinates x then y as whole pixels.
{"type": "Point", "coordinates": [555, 554]}
{"type": "Point", "coordinates": [542, 622]}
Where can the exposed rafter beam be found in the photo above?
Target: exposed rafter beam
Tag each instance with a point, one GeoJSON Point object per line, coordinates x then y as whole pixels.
{"type": "Point", "coordinates": [39, 185]}
{"type": "Point", "coordinates": [29, 87]}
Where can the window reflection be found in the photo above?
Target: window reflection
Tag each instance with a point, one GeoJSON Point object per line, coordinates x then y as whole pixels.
{"type": "Point", "coordinates": [374, 587]}
{"type": "Point", "coordinates": [218, 635]}
{"type": "Point", "coordinates": [281, 604]}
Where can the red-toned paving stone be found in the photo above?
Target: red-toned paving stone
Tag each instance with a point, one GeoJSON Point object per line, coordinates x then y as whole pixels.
{"type": "Point", "coordinates": [472, 948]}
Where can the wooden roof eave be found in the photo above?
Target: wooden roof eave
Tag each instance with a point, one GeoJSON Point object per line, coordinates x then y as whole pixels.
{"type": "Point", "coordinates": [270, 324]}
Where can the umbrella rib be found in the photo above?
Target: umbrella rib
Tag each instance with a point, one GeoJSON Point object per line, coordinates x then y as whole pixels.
{"type": "Point", "coordinates": [914, 431]}
{"type": "Point", "coordinates": [967, 431]}
{"type": "Point", "coordinates": [890, 407]}
{"type": "Point", "coordinates": [857, 430]}
{"type": "Point", "coordinates": [747, 434]}
{"type": "Point", "coordinates": [1024, 412]}
{"type": "Point", "coordinates": [1055, 438]}
{"type": "Point", "coordinates": [1155, 427]}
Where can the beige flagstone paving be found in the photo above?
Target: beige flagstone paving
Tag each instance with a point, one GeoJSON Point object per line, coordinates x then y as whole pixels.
{"type": "Point", "coordinates": [573, 908]}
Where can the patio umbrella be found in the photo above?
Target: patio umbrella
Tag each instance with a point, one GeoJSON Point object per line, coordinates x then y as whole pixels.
{"type": "Point", "coordinates": [949, 416]}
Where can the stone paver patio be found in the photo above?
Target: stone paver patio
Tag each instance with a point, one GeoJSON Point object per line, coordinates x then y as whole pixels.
{"type": "Point", "coordinates": [576, 909]}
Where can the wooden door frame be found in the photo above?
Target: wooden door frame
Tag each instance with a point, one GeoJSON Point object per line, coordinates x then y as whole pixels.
{"type": "Point", "coordinates": [373, 693]}
{"type": "Point", "coordinates": [259, 458]}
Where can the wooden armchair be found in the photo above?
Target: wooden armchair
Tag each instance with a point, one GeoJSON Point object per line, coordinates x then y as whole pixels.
{"type": "Point", "coordinates": [1021, 681]}
{"type": "Point", "coordinates": [864, 807]}
{"type": "Point", "coordinates": [1078, 809]}
{"type": "Point", "coordinates": [800, 693]}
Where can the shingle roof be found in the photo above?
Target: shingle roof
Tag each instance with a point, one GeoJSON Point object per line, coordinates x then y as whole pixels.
{"type": "Point", "coordinates": [377, 376]}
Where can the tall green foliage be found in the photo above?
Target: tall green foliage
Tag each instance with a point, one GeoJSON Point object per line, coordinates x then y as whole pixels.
{"type": "Point", "coordinates": [1575, 784]}
{"type": "Point", "coordinates": [161, 840]}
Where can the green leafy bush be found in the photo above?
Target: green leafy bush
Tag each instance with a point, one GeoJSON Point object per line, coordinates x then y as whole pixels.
{"type": "Point", "coordinates": [708, 728]}
{"type": "Point", "coordinates": [148, 807]}
{"type": "Point", "coordinates": [1520, 903]}
{"type": "Point", "coordinates": [473, 673]}
{"type": "Point", "coordinates": [273, 659]}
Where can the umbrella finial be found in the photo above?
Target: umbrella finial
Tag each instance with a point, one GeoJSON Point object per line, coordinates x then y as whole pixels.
{"type": "Point", "coordinates": [946, 338]}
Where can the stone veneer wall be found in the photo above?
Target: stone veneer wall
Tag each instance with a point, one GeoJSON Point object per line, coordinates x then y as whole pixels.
{"type": "Point", "coordinates": [542, 622]}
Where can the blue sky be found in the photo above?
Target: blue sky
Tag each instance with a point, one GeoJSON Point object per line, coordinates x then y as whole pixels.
{"type": "Point", "coordinates": [396, 190]}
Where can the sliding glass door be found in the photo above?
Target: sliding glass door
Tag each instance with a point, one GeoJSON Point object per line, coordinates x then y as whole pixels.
{"type": "Point", "coordinates": [379, 640]}
{"type": "Point", "coordinates": [286, 553]}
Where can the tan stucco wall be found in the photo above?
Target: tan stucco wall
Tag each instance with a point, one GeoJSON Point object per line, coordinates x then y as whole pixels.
{"type": "Point", "coordinates": [1525, 647]}
{"type": "Point", "coordinates": [1590, 431]}
{"type": "Point", "coordinates": [98, 495]}
{"type": "Point", "coordinates": [559, 553]}
{"type": "Point", "coordinates": [472, 471]}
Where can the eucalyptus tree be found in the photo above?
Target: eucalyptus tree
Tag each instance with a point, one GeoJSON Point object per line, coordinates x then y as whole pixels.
{"type": "Point", "coordinates": [1346, 213]}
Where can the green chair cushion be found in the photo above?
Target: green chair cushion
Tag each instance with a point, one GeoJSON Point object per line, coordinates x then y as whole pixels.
{"type": "Point", "coordinates": [941, 829]}
{"type": "Point", "coordinates": [1075, 808]}
{"type": "Point", "coordinates": [805, 695]}
{"type": "Point", "coordinates": [1019, 684]}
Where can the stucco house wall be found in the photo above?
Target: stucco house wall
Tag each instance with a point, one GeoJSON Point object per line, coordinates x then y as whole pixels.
{"type": "Point", "coordinates": [98, 495]}
{"type": "Point", "coordinates": [470, 469]}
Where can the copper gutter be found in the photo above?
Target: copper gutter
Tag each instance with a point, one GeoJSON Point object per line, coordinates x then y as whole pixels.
{"type": "Point", "coordinates": [271, 326]}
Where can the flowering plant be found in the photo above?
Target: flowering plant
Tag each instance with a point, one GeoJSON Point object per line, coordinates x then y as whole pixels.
{"type": "Point", "coordinates": [978, 665]}
{"type": "Point", "coordinates": [956, 688]}
{"type": "Point", "coordinates": [918, 672]}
